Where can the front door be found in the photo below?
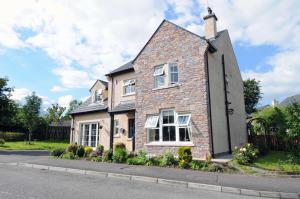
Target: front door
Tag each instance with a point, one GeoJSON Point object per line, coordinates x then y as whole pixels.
{"type": "Point", "coordinates": [131, 132]}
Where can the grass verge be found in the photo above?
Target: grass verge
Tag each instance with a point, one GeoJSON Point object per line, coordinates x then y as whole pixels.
{"type": "Point", "coordinates": [38, 145]}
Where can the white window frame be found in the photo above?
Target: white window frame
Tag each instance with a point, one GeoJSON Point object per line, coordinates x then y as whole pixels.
{"type": "Point", "coordinates": [98, 92]}
{"type": "Point", "coordinates": [170, 73]}
{"type": "Point", "coordinates": [159, 74]}
{"type": "Point", "coordinates": [116, 127]}
{"type": "Point", "coordinates": [154, 117]}
{"type": "Point", "coordinates": [89, 141]}
{"type": "Point", "coordinates": [177, 127]}
{"type": "Point", "coordinates": [129, 83]}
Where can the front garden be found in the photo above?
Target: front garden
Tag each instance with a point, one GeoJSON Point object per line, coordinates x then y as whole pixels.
{"type": "Point", "coordinates": [183, 160]}
{"type": "Point", "coordinates": [247, 159]}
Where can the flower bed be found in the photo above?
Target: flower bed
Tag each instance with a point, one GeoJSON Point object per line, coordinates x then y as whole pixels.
{"type": "Point", "coordinates": [120, 155]}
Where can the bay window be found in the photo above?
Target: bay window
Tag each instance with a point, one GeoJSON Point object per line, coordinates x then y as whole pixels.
{"type": "Point", "coordinates": [168, 127]}
{"type": "Point", "coordinates": [89, 134]}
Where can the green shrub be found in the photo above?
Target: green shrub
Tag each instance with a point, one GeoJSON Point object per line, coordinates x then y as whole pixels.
{"type": "Point", "coordinates": [168, 159]}
{"type": "Point", "coordinates": [120, 155]}
{"type": "Point", "coordinates": [120, 145]}
{"type": "Point", "coordinates": [213, 168]}
{"type": "Point", "coordinates": [2, 141]}
{"type": "Point", "coordinates": [72, 148]}
{"type": "Point", "coordinates": [140, 159]}
{"type": "Point", "coordinates": [87, 151]}
{"type": "Point", "coordinates": [68, 155]}
{"type": "Point", "coordinates": [154, 161]}
{"type": "Point", "coordinates": [80, 151]}
{"type": "Point", "coordinates": [58, 151]}
{"type": "Point", "coordinates": [184, 156]}
{"type": "Point", "coordinates": [96, 159]}
{"type": "Point", "coordinates": [198, 164]}
{"type": "Point", "coordinates": [107, 155]}
{"type": "Point", "coordinates": [99, 150]}
{"type": "Point", "coordinates": [13, 136]}
{"type": "Point", "coordinates": [246, 154]}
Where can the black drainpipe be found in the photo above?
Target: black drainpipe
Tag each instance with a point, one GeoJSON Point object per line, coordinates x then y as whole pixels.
{"type": "Point", "coordinates": [112, 123]}
{"type": "Point", "coordinates": [226, 104]}
{"type": "Point", "coordinates": [209, 106]}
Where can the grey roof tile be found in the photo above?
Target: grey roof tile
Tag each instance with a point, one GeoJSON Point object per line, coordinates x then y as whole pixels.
{"type": "Point", "coordinates": [126, 67]}
{"type": "Point", "coordinates": [89, 106]}
{"type": "Point", "coordinates": [124, 106]}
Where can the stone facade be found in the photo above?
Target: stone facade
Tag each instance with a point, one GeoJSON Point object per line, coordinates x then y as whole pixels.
{"type": "Point", "coordinates": [173, 44]}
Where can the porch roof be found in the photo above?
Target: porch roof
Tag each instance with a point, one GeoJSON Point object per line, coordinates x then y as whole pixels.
{"type": "Point", "coordinates": [124, 107]}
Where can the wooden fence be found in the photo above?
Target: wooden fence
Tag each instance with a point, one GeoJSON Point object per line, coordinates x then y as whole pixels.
{"type": "Point", "coordinates": [273, 142]}
{"type": "Point", "coordinates": [58, 133]}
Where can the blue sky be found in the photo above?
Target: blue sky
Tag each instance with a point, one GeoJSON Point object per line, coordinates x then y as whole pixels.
{"type": "Point", "coordinates": [60, 55]}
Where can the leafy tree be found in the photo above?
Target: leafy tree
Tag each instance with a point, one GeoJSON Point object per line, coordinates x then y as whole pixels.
{"type": "Point", "coordinates": [72, 106]}
{"type": "Point", "coordinates": [252, 94]}
{"type": "Point", "coordinates": [7, 106]}
{"type": "Point", "coordinates": [55, 114]}
{"type": "Point", "coordinates": [275, 121]}
{"type": "Point", "coordinates": [31, 111]}
{"type": "Point", "coordinates": [293, 121]}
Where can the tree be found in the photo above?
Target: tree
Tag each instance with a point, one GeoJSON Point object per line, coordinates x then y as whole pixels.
{"type": "Point", "coordinates": [252, 94]}
{"type": "Point", "coordinates": [72, 106]}
{"type": "Point", "coordinates": [7, 106]}
{"type": "Point", "coordinates": [55, 114]}
{"type": "Point", "coordinates": [31, 112]}
{"type": "Point", "coordinates": [293, 121]}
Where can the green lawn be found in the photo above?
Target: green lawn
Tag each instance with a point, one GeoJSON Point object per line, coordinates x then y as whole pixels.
{"type": "Point", "coordinates": [277, 161]}
{"type": "Point", "coordinates": [38, 145]}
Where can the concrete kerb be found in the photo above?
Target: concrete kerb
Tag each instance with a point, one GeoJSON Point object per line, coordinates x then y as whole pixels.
{"type": "Point", "coordinates": [190, 185]}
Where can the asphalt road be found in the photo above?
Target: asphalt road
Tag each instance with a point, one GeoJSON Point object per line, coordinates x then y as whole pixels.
{"type": "Point", "coordinates": [27, 183]}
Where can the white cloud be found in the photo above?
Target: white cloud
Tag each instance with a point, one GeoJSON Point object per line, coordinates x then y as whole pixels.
{"type": "Point", "coordinates": [268, 22]}
{"type": "Point", "coordinates": [64, 101]}
{"type": "Point", "coordinates": [20, 93]}
{"type": "Point", "coordinates": [58, 89]}
{"type": "Point", "coordinates": [90, 38]}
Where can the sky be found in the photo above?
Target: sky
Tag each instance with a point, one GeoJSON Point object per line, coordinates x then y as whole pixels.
{"type": "Point", "coordinates": [58, 48]}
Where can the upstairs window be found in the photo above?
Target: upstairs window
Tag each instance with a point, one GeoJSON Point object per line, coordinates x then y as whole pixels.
{"type": "Point", "coordinates": [129, 87]}
{"type": "Point", "coordinates": [98, 95]}
{"type": "Point", "coordinates": [173, 70]}
{"type": "Point", "coordinates": [159, 76]}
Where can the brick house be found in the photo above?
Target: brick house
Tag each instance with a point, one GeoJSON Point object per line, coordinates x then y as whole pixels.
{"type": "Point", "coordinates": [181, 89]}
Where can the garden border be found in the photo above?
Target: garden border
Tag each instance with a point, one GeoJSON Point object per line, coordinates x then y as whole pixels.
{"type": "Point", "coordinates": [185, 184]}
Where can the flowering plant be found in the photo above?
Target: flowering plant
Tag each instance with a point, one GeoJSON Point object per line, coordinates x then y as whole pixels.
{"type": "Point", "coordinates": [245, 154]}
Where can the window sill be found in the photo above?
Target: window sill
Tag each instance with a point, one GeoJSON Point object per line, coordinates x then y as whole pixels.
{"type": "Point", "coordinates": [170, 144]}
{"type": "Point", "coordinates": [166, 87]}
{"type": "Point", "coordinates": [127, 95]}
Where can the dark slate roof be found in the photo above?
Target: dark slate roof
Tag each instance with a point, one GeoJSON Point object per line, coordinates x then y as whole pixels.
{"type": "Point", "coordinates": [290, 100]}
{"type": "Point", "coordinates": [124, 68]}
{"type": "Point", "coordinates": [89, 106]}
{"type": "Point", "coordinates": [123, 107]}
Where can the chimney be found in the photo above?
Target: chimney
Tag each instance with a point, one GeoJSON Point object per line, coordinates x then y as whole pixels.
{"type": "Point", "coordinates": [275, 103]}
{"type": "Point", "coordinates": [210, 24]}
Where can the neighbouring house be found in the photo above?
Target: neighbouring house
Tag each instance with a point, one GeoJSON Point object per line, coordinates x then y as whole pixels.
{"type": "Point", "coordinates": [290, 100]}
{"type": "Point", "coordinates": [181, 89]}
